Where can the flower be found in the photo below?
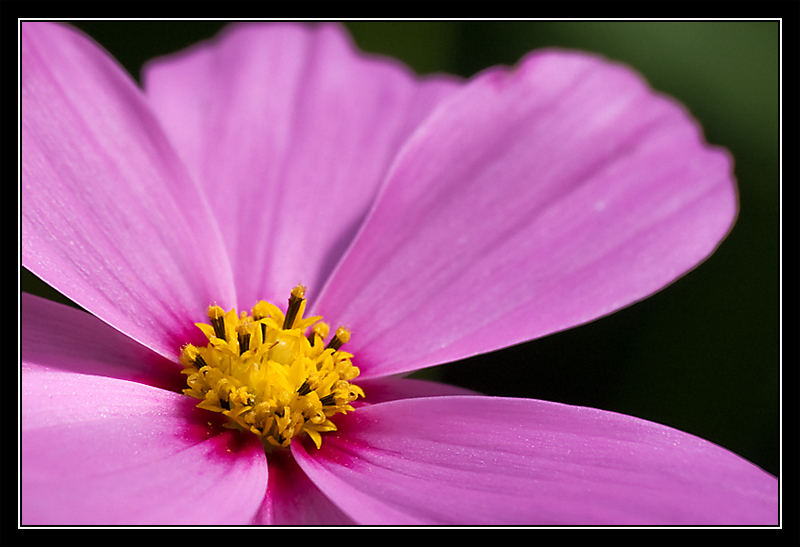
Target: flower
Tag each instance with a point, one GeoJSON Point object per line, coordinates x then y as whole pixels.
{"type": "Point", "coordinates": [435, 218]}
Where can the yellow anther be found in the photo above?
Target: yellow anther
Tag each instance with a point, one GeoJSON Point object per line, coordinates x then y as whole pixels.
{"type": "Point", "coordinates": [342, 336]}
{"type": "Point", "coordinates": [296, 299]}
{"type": "Point", "coordinates": [217, 317]}
{"type": "Point", "coordinates": [319, 330]}
{"type": "Point", "coordinates": [215, 312]}
{"type": "Point", "coordinates": [272, 378]}
{"type": "Point", "coordinates": [244, 332]}
{"type": "Point", "coordinates": [299, 291]}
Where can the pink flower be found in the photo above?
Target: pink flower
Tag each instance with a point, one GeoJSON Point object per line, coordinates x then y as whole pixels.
{"type": "Point", "coordinates": [436, 218]}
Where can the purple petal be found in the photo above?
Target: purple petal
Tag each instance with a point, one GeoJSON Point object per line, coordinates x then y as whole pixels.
{"type": "Point", "coordinates": [533, 200]}
{"type": "Point", "coordinates": [110, 217]}
{"type": "Point", "coordinates": [483, 460]}
{"type": "Point", "coordinates": [292, 499]}
{"type": "Point", "coordinates": [290, 131]}
{"type": "Point", "coordinates": [106, 451]}
{"type": "Point", "coordinates": [60, 337]}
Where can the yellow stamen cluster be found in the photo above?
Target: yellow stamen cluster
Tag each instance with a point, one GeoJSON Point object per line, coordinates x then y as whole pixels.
{"type": "Point", "coordinates": [271, 373]}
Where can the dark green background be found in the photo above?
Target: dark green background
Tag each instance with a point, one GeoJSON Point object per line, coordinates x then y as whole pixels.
{"type": "Point", "coordinates": [702, 355]}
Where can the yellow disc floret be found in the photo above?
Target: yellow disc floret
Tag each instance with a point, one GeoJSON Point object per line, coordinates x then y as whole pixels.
{"type": "Point", "coordinates": [271, 373]}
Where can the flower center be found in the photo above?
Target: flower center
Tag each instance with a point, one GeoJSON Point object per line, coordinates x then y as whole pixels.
{"type": "Point", "coordinates": [272, 374]}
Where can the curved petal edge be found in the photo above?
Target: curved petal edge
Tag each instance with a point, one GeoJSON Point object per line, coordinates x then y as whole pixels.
{"type": "Point", "coordinates": [532, 200]}
{"type": "Point", "coordinates": [483, 460]}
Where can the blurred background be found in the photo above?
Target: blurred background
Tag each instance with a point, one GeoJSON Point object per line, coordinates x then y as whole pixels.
{"type": "Point", "coordinates": [702, 355]}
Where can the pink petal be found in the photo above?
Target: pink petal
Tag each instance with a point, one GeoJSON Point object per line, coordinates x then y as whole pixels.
{"type": "Point", "coordinates": [483, 460]}
{"type": "Point", "coordinates": [60, 337]}
{"type": "Point", "coordinates": [106, 451]}
{"type": "Point", "coordinates": [292, 499]}
{"type": "Point", "coordinates": [533, 200]}
{"type": "Point", "coordinates": [110, 217]}
{"type": "Point", "coordinates": [290, 130]}
{"type": "Point", "coordinates": [380, 390]}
